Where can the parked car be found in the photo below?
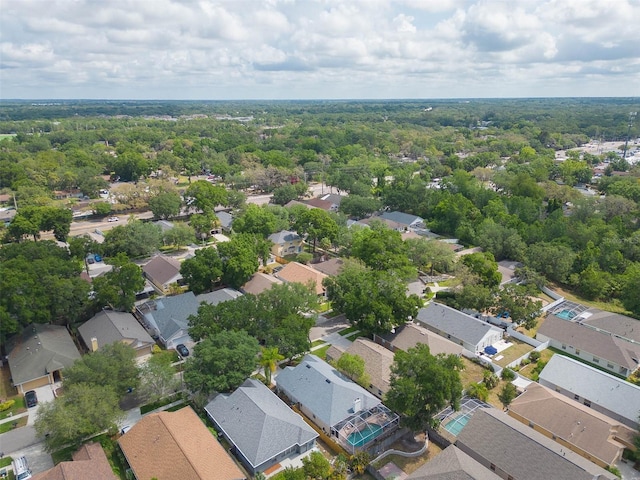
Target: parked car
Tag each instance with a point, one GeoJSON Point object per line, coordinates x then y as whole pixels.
{"type": "Point", "coordinates": [182, 350]}
{"type": "Point", "coordinates": [31, 399]}
{"type": "Point", "coordinates": [21, 468]}
{"type": "Point", "coordinates": [125, 429]}
{"type": "Point", "coordinates": [112, 219]}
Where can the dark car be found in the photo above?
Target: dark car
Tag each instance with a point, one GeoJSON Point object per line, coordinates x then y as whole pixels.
{"type": "Point", "coordinates": [31, 398]}
{"type": "Point", "coordinates": [182, 350]}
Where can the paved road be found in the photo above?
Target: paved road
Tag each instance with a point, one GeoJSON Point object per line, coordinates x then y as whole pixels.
{"type": "Point", "coordinates": [18, 439]}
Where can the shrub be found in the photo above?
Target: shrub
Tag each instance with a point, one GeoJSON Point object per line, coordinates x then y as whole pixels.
{"type": "Point", "coordinates": [524, 361]}
{"type": "Point", "coordinates": [508, 374]}
{"type": "Point", "coordinates": [534, 356]}
{"type": "Point", "coordinates": [156, 349]}
{"type": "Point", "coordinates": [7, 405]}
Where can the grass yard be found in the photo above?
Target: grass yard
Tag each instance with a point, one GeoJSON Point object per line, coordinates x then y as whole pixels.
{"type": "Point", "coordinates": [410, 464]}
{"type": "Point", "coordinates": [514, 352]}
{"type": "Point", "coordinates": [20, 422]}
{"type": "Point", "coordinates": [18, 407]}
{"type": "Point", "coordinates": [315, 343]}
{"type": "Point", "coordinates": [493, 395]}
{"type": "Point", "coordinates": [322, 352]}
{"type": "Point", "coordinates": [472, 373]}
{"type": "Point", "coordinates": [531, 332]}
{"type": "Point", "coordinates": [527, 370]}
{"type": "Point", "coordinates": [7, 391]}
{"type": "Point", "coordinates": [347, 331]}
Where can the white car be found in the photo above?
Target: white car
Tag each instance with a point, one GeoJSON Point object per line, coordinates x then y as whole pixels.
{"type": "Point", "coordinates": [113, 219]}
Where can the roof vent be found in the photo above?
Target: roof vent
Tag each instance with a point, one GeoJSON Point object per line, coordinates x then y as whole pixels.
{"type": "Point", "coordinates": [308, 366]}
{"type": "Point", "coordinates": [328, 381]}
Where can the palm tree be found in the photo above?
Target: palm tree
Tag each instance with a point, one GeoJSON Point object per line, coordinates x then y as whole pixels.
{"type": "Point", "coordinates": [269, 360]}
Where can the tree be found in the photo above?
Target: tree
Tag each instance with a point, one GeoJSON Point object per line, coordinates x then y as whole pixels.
{"type": "Point", "coordinates": [81, 247]}
{"type": "Point", "coordinates": [284, 194]}
{"type": "Point", "coordinates": [255, 219]}
{"type": "Point", "coordinates": [375, 302]}
{"type": "Point", "coordinates": [136, 239]}
{"type": "Point", "coordinates": [203, 271]}
{"type": "Point", "coordinates": [203, 224]}
{"type": "Point", "coordinates": [516, 299]}
{"type": "Point", "coordinates": [32, 220]}
{"type": "Point", "coordinates": [316, 224]}
{"type": "Point", "coordinates": [239, 259]}
{"type": "Point", "coordinates": [353, 367]}
{"type": "Point", "coordinates": [316, 466]}
{"type": "Point", "coordinates": [359, 462]}
{"type": "Point", "coordinates": [507, 394]}
{"type": "Point", "coordinates": [484, 266]}
{"type": "Point", "coordinates": [479, 391]}
{"type": "Point", "coordinates": [382, 249]}
{"type": "Point", "coordinates": [554, 260]}
{"type": "Point", "coordinates": [204, 196]}
{"type": "Point", "coordinates": [221, 362]}
{"type": "Point", "coordinates": [113, 366]}
{"type": "Point", "coordinates": [82, 412]}
{"type": "Point", "coordinates": [165, 204]}
{"type": "Point", "coordinates": [269, 361]}
{"type": "Point", "coordinates": [118, 287]}
{"type": "Point", "coordinates": [631, 287]}
{"type": "Point", "coordinates": [422, 384]}
{"type": "Point", "coordinates": [179, 235]}
{"type": "Point", "coordinates": [157, 378]}
{"type": "Point", "coordinates": [359, 207]}
{"type": "Point", "coordinates": [432, 254]}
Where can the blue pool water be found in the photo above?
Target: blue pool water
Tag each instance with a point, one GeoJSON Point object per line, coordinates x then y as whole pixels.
{"type": "Point", "coordinates": [358, 439]}
{"type": "Point", "coordinates": [566, 314]}
{"type": "Point", "coordinates": [456, 425]}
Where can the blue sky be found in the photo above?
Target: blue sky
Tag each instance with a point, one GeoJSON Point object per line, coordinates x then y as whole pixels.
{"type": "Point", "coordinates": [314, 49]}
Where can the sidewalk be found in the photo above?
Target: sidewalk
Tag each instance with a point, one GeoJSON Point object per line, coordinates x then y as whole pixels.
{"type": "Point", "coordinates": [13, 418]}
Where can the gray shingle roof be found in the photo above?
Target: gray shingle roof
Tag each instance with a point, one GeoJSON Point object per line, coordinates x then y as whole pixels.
{"type": "Point", "coordinates": [620, 325]}
{"type": "Point", "coordinates": [522, 452]}
{"type": "Point", "coordinates": [39, 350]}
{"type": "Point", "coordinates": [110, 327]}
{"type": "Point", "coordinates": [612, 393]}
{"type": "Point", "coordinates": [171, 314]}
{"type": "Point", "coordinates": [457, 324]}
{"type": "Point", "coordinates": [284, 236]}
{"type": "Point", "coordinates": [323, 390]}
{"type": "Point", "coordinates": [600, 344]}
{"type": "Point", "coordinates": [452, 464]}
{"type": "Point", "coordinates": [226, 219]}
{"type": "Point", "coordinates": [400, 217]}
{"type": "Point", "coordinates": [409, 335]}
{"type": "Point", "coordinates": [258, 423]}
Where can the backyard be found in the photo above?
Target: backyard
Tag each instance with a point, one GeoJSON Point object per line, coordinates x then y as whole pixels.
{"type": "Point", "coordinates": [512, 353]}
{"type": "Point", "coordinates": [472, 373]}
{"type": "Point", "coordinates": [408, 464]}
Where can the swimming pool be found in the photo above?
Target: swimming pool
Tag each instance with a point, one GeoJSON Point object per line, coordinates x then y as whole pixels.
{"type": "Point", "coordinates": [566, 314]}
{"type": "Point", "coordinates": [364, 436]}
{"type": "Point", "coordinates": [456, 425]}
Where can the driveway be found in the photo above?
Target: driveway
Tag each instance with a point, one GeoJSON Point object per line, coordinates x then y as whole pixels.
{"type": "Point", "coordinates": [326, 326]}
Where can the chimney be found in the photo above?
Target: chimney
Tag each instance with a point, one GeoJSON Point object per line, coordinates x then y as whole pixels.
{"type": "Point", "coordinates": [357, 405]}
{"type": "Point", "coordinates": [94, 344]}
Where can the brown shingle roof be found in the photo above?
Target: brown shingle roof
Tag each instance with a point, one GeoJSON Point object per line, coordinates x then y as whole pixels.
{"type": "Point", "coordinates": [600, 344]}
{"type": "Point", "coordinates": [321, 204]}
{"type": "Point", "coordinates": [572, 422]}
{"type": "Point", "coordinates": [259, 283]}
{"type": "Point", "coordinates": [298, 273]}
{"type": "Point", "coordinates": [329, 267]}
{"type": "Point", "coordinates": [88, 462]}
{"type": "Point", "coordinates": [377, 360]}
{"type": "Point", "coordinates": [409, 335]}
{"type": "Point", "coordinates": [170, 445]}
{"type": "Point", "coordinates": [161, 269]}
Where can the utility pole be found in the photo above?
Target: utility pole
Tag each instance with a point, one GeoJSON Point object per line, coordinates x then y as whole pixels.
{"type": "Point", "coordinates": [632, 116]}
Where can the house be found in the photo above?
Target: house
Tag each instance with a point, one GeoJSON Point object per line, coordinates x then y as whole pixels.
{"type": "Point", "coordinates": [339, 407]}
{"type": "Point", "coordinates": [620, 326]}
{"type": "Point", "coordinates": [612, 396]}
{"type": "Point", "coordinates": [259, 283]}
{"type": "Point", "coordinates": [588, 433]}
{"type": "Point", "coordinates": [226, 220]}
{"type": "Point", "coordinates": [390, 224]}
{"type": "Point", "coordinates": [325, 205]}
{"type": "Point", "coordinates": [262, 430]}
{"type": "Point", "coordinates": [377, 362]}
{"type": "Point", "coordinates": [406, 220]}
{"type": "Point", "coordinates": [334, 199]}
{"type": "Point", "coordinates": [452, 464]}
{"type": "Point", "coordinates": [285, 243]}
{"type": "Point", "coordinates": [460, 328]}
{"type": "Point", "coordinates": [603, 349]}
{"type": "Point", "coordinates": [411, 334]}
{"type": "Point", "coordinates": [89, 461]}
{"type": "Point", "coordinates": [164, 225]}
{"type": "Point", "coordinates": [162, 272]}
{"type": "Point", "coordinates": [170, 445]}
{"type": "Point", "coordinates": [108, 327]}
{"type": "Point", "coordinates": [295, 272]}
{"type": "Point", "coordinates": [512, 450]}
{"type": "Point", "coordinates": [331, 267]}
{"type": "Point", "coordinates": [168, 317]}
{"type": "Point", "coordinates": [38, 355]}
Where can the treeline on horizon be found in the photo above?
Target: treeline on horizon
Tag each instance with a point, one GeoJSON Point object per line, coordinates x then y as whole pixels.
{"type": "Point", "coordinates": [500, 186]}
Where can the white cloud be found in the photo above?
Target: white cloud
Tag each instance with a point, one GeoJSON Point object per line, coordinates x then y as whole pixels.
{"type": "Point", "coordinates": [318, 48]}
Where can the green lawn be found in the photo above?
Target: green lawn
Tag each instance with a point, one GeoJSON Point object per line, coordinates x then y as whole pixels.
{"type": "Point", "coordinates": [514, 352]}
{"type": "Point", "coordinates": [322, 352]}
{"type": "Point", "coordinates": [20, 422]}
{"type": "Point", "coordinates": [17, 407]}
{"type": "Point", "coordinates": [347, 331]}
{"type": "Point", "coordinates": [317, 342]}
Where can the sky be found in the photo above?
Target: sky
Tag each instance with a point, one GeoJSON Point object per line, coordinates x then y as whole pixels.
{"type": "Point", "coordinates": [318, 49]}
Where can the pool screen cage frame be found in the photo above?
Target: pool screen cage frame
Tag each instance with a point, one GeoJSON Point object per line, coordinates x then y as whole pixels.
{"type": "Point", "coordinates": [468, 405]}
{"type": "Point", "coordinates": [378, 415]}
